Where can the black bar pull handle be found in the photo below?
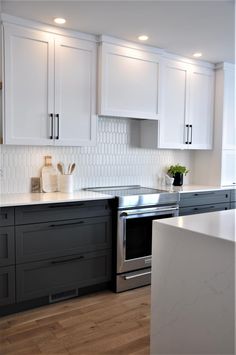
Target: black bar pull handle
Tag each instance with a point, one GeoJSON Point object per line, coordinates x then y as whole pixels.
{"type": "Point", "coordinates": [204, 193]}
{"type": "Point", "coordinates": [65, 224]}
{"type": "Point", "coordinates": [58, 123]}
{"type": "Point", "coordinates": [191, 135]}
{"type": "Point", "coordinates": [66, 205]}
{"type": "Point", "coordinates": [51, 125]}
{"type": "Point", "coordinates": [187, 126]}
{"type": "Point", "coordinates": [67, 260]}
{"type": "Point", "coordinates": [203, 208]}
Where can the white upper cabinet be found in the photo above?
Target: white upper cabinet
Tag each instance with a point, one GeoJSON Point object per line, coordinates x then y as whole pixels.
{"type": "Point", "coordinates": [229, 121]}
{"type": "Point", "coordinates": [75, 90]}
{"type": "Point", "coordinates": [129, 81]}
{"type": "Point", "coordinates": [186, 120]}
{"type": "Point", "coordinates": [28, 86]}
{"type": "Point", "coordinates": [220, 163]}
{"type": "Point", "coordinates": [50, 88]}
{"type": "Point", "coordinates": [174, 109]}
{"type": "Point", "coordinates": [201, 108]}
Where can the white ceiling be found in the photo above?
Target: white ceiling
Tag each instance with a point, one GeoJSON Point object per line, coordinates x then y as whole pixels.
{"type": "Point", "coordinates": [181, 27]}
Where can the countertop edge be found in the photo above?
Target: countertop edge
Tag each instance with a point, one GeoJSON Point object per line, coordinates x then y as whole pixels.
{"type": "Point", "coordinates": [30, 199]}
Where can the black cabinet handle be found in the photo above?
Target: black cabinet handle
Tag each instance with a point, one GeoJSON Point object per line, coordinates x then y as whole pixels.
{"type": "Point", "coordinates": [65, 224]}
{"type": "Point", "coordinates": [51, 125]}
{"type": "Point", "coordinates": [205, 193]}
{"type": "Point", "coordinates": [191, 136]}
{"type": "Point", "coordinates": [187, 126]}
{"type": "Point", "coordinates": [57, 116]}
{"type": "Point", "coordinates": [203, 208]}
{"type": "Point", "coordinates": [67, 260]}
{"type": "Point", "coordinates": [66, 205]}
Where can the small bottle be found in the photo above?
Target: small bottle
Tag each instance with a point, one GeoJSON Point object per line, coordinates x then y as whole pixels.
{"type": "Point", "coordinates": [49, 176]}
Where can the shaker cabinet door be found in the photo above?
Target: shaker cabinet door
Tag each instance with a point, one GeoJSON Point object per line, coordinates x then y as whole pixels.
{"type": "Point", "coordinates": [174, 110]}
{"type": "Point", "coordinates": [28, 85]}
{"type": "Point", "coordinates": [129, 82]}
{"type": "Point", "coordinates": [75, 92]}
{"type": "Point", "coordinates": [201, 108]}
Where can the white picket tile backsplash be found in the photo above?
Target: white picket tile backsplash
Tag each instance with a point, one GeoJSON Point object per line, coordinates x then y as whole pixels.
{"type": "Point", "coordinates": [112, 161]}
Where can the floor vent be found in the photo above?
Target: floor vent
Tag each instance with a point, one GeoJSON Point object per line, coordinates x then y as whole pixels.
{"type": "Point", "coordinates": [56, 297]}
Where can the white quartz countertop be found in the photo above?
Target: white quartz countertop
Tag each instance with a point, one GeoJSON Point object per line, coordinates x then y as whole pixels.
{"type": "Point", "coordinates": [219, 224]}
{"type": "Point", "coordinates": [194, 188]}
{"type": "Point", "coordinates": [22, 199]}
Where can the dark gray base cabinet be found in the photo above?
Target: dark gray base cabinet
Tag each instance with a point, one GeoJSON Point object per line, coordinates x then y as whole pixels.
{"type": "Point", "coordinates": [61, 211]}
{"type": "Point", "coordinates": [206, 201]}
{"type": "Point", "coordinates": [41, 241]}
{"type": "Point", "coordinates": [203, 209]}
{"type": "Point", "coordinates": [204, 198]}
{"type": "Point", "coordinates": [7, 285]}
{"type": "Point", "coordinates": [50, 277]}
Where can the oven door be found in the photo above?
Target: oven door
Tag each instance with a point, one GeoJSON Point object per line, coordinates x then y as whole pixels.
{"type": "Point", "coordinates": [134, 236]}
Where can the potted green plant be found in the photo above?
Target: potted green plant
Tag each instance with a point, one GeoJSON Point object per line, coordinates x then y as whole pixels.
{"type": "Point", "coordinates": [177, 172]}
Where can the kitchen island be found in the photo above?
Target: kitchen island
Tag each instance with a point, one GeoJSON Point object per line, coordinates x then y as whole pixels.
{"type": "Point", "coordinates": [193, 284]}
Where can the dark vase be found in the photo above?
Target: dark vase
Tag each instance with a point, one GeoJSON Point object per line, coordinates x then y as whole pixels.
{"type": "Point", "coordinates": [178, 179]}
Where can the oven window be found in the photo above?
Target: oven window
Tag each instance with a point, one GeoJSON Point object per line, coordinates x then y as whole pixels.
{"type": "Point", "coordinates": [139, 236]}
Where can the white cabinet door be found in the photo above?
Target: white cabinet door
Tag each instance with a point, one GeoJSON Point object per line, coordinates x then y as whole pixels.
{"type": "Point", "coordinates": [129, 82]}
{"type": "Point", "coordinates": [75, 92]}
{"type": "Point", "coordinates": [28, 86]}
{"type": "Point", "coordinates": [229, 121]}
{"type": "Point", "coordinates": [201, 108]}
{"type": "Point", "coordinates": [174, 110]}
{"type": "Point", "coordinates": [228, 169]}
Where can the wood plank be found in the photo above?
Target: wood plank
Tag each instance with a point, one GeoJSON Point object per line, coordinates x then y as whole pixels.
{"type": "Point", "coordinates": [99, 323]}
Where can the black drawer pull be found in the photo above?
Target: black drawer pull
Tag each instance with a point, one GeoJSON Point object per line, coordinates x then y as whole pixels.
{"type": "Point", "coordinates": [67, 260]}
{"type": "Point", "coordinates": [203, 208]}
{"type": "Point", "coordinates": [65, 224]}
{"type": "Point", "coordinates": [204, 194]}
{"type": "Point", "coordinates": [67, 205]}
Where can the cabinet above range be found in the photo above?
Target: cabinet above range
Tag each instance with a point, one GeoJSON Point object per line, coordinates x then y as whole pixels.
{"type": "Point", "coordinates": [129, 79]}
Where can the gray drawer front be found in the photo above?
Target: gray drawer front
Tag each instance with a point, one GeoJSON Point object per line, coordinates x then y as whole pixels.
{"type": "Point", "coordinates": [7, 285]}
{"type": "Point", "coordinates": [205, 208]}
{"type": "Point", "coordinates": [233, 195]}
{"type": "Point", "coordinates": [7, 247]}
{"type": "Point", "coordinates": [48, 240]}
{"type": "Point", "coordinates": [233, 205]}
{"type": "Point", "coordinates": [49, 277]}
{"type": "Point", "coordinates": [60, 212]}
{"type": "Point", "coordinates": [6, 216]}
{"type": "Point", "coordinates": [204, 198]}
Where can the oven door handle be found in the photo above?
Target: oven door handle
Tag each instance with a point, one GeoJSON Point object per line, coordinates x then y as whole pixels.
{"type": "Point", "coordinates": [138, 275]}
{"type": "Point", "coordinates": [146, 211]}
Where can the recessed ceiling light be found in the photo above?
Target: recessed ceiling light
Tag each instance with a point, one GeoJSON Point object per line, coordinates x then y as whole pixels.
{"type": "Point", "coordinates": [197, 55]}
{"type": "Point", "coordinates": [143, 38]}
{"type": "Point", "coordinates": [59, 20]}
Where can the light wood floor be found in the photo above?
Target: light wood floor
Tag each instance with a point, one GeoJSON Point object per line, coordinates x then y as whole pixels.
{"type": "Point", "coordinates": [100, 323]}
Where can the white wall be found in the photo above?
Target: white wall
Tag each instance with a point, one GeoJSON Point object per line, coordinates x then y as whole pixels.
{"type": "Point", "coordinates": [113, 161]}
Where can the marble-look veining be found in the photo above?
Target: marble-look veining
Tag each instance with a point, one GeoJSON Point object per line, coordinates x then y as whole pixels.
{"type": "Point", "coordinates": [23, 199]}
{"type": "Point", "coordinates": [193, 286]}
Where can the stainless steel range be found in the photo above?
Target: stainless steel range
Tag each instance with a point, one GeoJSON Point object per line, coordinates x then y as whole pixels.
{"type": "Point", "coordinates": [137, 207]}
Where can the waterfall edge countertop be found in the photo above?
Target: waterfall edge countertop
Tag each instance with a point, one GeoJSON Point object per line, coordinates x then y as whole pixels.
{"type": "Point", "coordinates": [219, 224]}
{"type": "Point", "coordinates": [193, 284]}
{"type": "Point", "coordinates": [23, 199]}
